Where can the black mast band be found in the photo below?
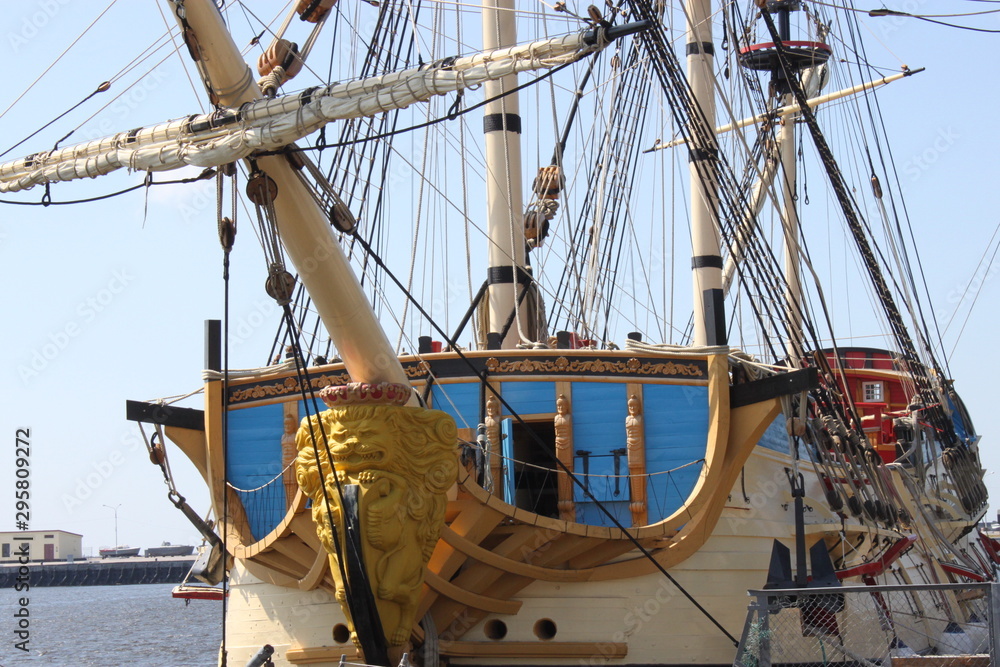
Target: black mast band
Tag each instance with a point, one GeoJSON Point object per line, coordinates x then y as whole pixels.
{"type": "Point", "coordinates": [500, 122]}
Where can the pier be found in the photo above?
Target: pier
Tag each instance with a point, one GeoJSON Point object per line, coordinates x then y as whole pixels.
{"type": "Point", "coordinates": [99, 572]}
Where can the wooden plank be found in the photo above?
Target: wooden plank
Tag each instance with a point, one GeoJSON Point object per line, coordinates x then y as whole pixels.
{"type": "Point", "coordinates": [600, 554]}
{"type": "Point", "coordinates": [455, 507]}
{"type": "Point", "coordinates": [319, 569]}
{"type": "Point", "coordinates": [459, 619]}
{"type": "Point", "coordinates": [772, 387]}
{"type": "Point", "coordinates": [473, 550]}
{"type": "Point", "coordinates": [524, 543]}
{"type": "Point", "coordinates": [472, 525]}
{"type": "Point", "coordinates": [321, 654]}
{"type": "Point", "coordinates": [474, 522]}
{"type": "Point", "coordinates": [297, 550]}
{"type": "Point", "coordinates": [215, 466]}
{"type": "Point", "coordinates": [470, 599]}
{"type": "Point", "coordinates": [167, 415]}
{"type": "Point", "coordinates": [559, 551]}
{"type": "Point", "coordinates": [520, 544]}
{"type": "Point", "coordinates": [537, 649]}
{"type": "Point", "coordinates": [282, 563]}
{"type": "Point", "coordinates": [304, 527]}
{"type": "Point", "coordinates": [194, 445]}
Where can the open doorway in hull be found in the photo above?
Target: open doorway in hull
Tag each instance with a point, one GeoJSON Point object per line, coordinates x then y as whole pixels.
{"type": "Point", "coordinates": [530, 477]}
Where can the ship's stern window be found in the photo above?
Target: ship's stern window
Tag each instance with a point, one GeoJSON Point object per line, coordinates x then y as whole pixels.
{"type": "Point", "coordinates": [873, 392]}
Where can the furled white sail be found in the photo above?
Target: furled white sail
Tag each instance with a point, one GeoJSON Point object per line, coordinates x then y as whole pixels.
{"type": "Point", "coordinates": [219, 138]}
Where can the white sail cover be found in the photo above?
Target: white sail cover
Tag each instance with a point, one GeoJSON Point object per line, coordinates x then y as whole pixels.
{"type": "Point", "coordinates": [215, 139]}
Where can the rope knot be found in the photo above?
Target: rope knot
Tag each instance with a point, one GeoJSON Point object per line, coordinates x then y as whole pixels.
{"type": "Point", "coordinates": [270, 83]}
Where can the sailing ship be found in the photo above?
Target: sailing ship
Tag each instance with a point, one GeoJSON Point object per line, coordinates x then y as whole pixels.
{"type": "Point", "coordinates": [601, 473]}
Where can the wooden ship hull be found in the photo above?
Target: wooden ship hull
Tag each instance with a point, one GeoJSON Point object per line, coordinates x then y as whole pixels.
{"type": "Point", "coordinates": [526, 570]}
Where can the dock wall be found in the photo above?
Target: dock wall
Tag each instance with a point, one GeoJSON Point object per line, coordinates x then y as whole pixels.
{"type": "Point", "coordinates": [97, 573]}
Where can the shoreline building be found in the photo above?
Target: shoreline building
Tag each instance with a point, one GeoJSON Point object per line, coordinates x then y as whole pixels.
{"type": "Point", "coordinates": [43, 545]}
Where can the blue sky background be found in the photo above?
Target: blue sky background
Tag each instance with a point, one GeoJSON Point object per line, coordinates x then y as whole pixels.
{"type": "Point", "coordinates": [106, 301]}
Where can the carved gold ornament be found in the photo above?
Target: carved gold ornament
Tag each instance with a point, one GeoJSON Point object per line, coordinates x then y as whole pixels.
{"type": "Point", "coordinates": [290, 385]}
{"type": "Point", "coordinates": [403, 459]}
{"type": "Point", "coordinates": [563, 365]}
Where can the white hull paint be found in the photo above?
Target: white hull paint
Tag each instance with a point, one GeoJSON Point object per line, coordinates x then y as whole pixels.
{"type": "Point", "coordinates": [647, 614]}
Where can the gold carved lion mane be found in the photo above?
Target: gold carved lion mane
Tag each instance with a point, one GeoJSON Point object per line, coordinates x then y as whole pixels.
{"type": "Point", "coordinates": [404, 461]}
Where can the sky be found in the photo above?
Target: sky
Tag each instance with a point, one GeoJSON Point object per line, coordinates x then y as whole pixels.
{"type": "Point", "coordinates": [106, 301]}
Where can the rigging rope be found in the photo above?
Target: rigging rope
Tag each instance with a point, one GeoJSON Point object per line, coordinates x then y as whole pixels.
{"type": "Point", "coordinates": [226, 239]}
{"type": "Point", "coordinates": [884, 152]}
{"type": "Point", "coordinates": [855, 224]}
{"type": "Point", "coordinates": [208, 173]}
{"type": "Point", "coordinates": [353, 599]}
{"type": "Point", "coordinates": [763, 274]}
{"type": "Point", "coordinates": [104, 87]}
{"type": "Point", "coordinates": [58, 58]}
{"type": "Point", "coordinates": [263, 196]}
{"type": "Point", "coordinates": [543, 446]}
{"type": "Point", "coordinates": [986, 274]}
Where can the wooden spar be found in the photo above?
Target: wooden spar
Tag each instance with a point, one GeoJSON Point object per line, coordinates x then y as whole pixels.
{"type": "Point", "coordinates": [263, 125]}
{"type": "Point", "coordinates": [758, 197]}
{"type": "Point", "coordinates": [505, 206]}
{"type": "Point", "coordinates": [304, 229]}
{"type": "Point", "coordinates": [706, 256]}
{"type": "Point", "coordinates": [793, 109]}
{"type": "Point", "coordinates": [790, 223]}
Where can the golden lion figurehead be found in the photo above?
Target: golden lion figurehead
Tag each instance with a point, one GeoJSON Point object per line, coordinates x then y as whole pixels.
{"type": "Point", "coordinates": [404, 460]}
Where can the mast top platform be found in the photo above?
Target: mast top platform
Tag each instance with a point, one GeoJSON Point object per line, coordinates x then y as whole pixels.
{"type": "Point", "coordinates": [763, 57]}
{"type": "Point", "coordinates": [799, 55]}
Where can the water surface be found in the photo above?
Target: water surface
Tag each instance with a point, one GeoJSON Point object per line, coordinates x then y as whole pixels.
{"type": "Point", "coordinates": [137, 625]}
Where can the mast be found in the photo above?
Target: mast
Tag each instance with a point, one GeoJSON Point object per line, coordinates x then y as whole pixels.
{"type": "Point", "coordinates": [304, 229]}
{"type": "Point", "coordinates": [505, 206]}
{"type": "Point", "coordinates": [790, 223]}
{"type": "Point", "coordinates": [806, 62]}
{"type": "Point", "coordinates": [706, 257]}
{"type": "Point", "coordinates": [789, 213]}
